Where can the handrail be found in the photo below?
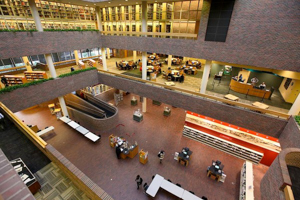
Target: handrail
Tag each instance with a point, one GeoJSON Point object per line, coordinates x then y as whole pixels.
{"type": "Point", "coordinates": [30, 132]}
{"type": "Point", "coordinates": [191, 35]}
{"type": "Point", "coordinates": [250, 107]}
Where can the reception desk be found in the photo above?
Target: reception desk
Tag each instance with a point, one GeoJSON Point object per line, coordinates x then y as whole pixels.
{"type": "Point", "coordinates": [247, 88]}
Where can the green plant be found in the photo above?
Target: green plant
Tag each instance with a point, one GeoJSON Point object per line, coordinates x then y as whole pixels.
{"type": "Point", "coordinates": [76, 72]}
{"type": "Point", "coordinates": [297, 118]}
{"type": "Point", "coordinates": [11, 30]}
{"type": "Point", "coordinates": [14, 87]}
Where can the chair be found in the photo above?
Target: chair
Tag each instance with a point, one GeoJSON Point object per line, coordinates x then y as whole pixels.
{"type": "Point", "coordinates": [189, 72]}
{"type": "Point", "coordinates": [169, 180]}
{"type": "Point", "coordinates": [218, 162]}
{"type": "Point", "coordinates": [191, 192]}
{"type": "Point", "coordinates": [169, 78]}
{"type": "Point", "coordinates": [221, 167]}
{"type": "Point", "coordinates": [178, 184]}
{"type": "Point", "coordinates": [204, 198]}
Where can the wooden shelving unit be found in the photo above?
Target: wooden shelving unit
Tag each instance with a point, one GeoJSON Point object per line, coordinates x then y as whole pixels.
{"type": "Point", "coordinates": [15, 80]}
{"type": "Point", "coordinates": [223, 145]}
{"type": "Point", "coordinates": [35, 75]}
{"type": "Point", "coordinates": [246, 182]}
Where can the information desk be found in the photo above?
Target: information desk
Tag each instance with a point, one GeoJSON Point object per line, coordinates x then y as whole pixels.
{"type": "Point", "coordinates": [172, 188]}
{"type": "Point", "coordinates": [155, 185]}
{"type": "Point", "coordinates": [26, 175]}
{"type": "Point", "coordinates": [247, 88]}
{"type": "Point", "coordinates": [127, 150]}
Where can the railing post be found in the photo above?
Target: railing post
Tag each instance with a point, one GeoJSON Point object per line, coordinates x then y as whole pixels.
{"type": "Point", "coordinates": [263, 97]}
{"type": "Point", "coordinates": [247, 93]}
{"type": "Point", "coordinates": [229, 89]}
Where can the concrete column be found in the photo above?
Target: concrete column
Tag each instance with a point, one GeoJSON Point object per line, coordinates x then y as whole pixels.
{"type": "Point", "coordinates": [98, 16]}
{"type": "Point", "coordinates": [76, 56]}
{"type": "Point", "coordinates": [205, 76]}
{"type": "Point", "coordinates": [144, 65]}
{"type": "Point", "coordinates": [50, 65]}
{"type": "Point", "coordinates": [36, 16]}
{"type": "Point", "coordinates": [144, 105]}
{"type": "Point", "coordinates": [144, 16]}
{"type": "Point", "coordinates": [27, 63]}
{"type": "Point", "coordinates": [134, 56]}
{"type": "Point", "coordinates": [104, 59]}
{"type": "Point", "coordinates": [169, 60]}
{"type": "Point", "coordinates": [63, 106]}
{"type": "Point", "coordinates": [108, 53]}
{"type": "Point", "coordinates": [295, 109]}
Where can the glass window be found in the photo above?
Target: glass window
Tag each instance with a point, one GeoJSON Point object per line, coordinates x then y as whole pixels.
{"type": "Point", "coordinates": [42, 58]}
{"type": "Point", "coordinates": [18, 62]}
{"type": "Point", "coordinates": [85, 53]}
{"type": "Point", "coordinates": [55, 57]}
{"type": "Point", "coordinates": [61, 56]}
{"type": "Point", "coordinates": [67, 55]}
{"type": "Point", "coordinates": [94, 52]}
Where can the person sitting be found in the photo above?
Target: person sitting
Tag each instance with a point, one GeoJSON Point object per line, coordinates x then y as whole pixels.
{"type": "Point", "coordinates": [146, 186]}
{"type": "Point", "coordinates": [169, 72]}
{"type": "Point", "coordinates": [262, 86]}
{"type": "Point", "coordinates": [254, 80]}
{"type": "Point", "coordinates": [181, 74]}
{"type": "Point", "coordinates": [241, 78]}
{"type": "Point", "coordinates": [72, 69]}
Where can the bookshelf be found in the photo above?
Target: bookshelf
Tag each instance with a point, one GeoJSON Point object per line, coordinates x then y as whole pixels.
{"type": "Point", "coordinates": [15, 80]}
{"type": "Point", "coordinates": [35, 75]}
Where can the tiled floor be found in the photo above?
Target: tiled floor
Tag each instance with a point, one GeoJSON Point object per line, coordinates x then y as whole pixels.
{"type": "Point", "coordinates": [56, 185]}
{"type": "Point", "coordinates": [156, 132]}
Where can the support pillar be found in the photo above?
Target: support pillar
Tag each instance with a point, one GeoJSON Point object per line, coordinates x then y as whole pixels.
{"type": "Point", "coordinates": [205, 76]}
{"type": "Point", "coordinates": [63, 106]}
{"type": "Point", "coordinates": [36, 16]}
{"type": "Point", "coordinates": [295, 109]}
{"type": "Point", "coordinates": [50, 64]}
{"type": "Point", "coordinates": [104, 59]}
{"type": "Point", "coordinates": [134, 56]}
{"type": "Point", "coordinates": [27, 63]}
{"type": "Point", "coordinates": [98, 16]}
{"type": "Point", "coordinates": [144, 16]}
{"type": "Point", "coordinates": [144, 65]}
{"type": "Point", "coordinates": [108, 53]}
{"type": "Point", "coordinates": [144, 105]}
{"type": "Point", "coordinates": [169, 60]}
{"type": "Point", "coordinates": [76, 56]}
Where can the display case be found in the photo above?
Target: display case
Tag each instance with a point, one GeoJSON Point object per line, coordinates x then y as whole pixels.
{"type": "Point", "coordinates": [167, 111]}
{"type": "Point", "coordinates": [143, 155]}
{"type": "Point", "coordinates": [35, 75]}
{"type": "Point", "coordinates": [231, 131]}
{"type": "Point", "coordinates": [138, 116]}
{"type": "Point", "coordinates": [133, 101]}
{"type": "Point", "coordinates": [223, 145]}
{"type": "Point", "coordinates": [246, 182]}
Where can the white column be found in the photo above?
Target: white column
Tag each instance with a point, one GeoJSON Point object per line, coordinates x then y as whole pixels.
{"type": "Point", "coordinates": [144, 65]}
{"type": "Point", "coordinates": [104, 59]}
{"type": "Point", "coordinates": [63, 106]}
{"type": "Point", "coordinates": [50, 65]}
{"type": "Point", "coordinates": [295, 109]}
{"type": "Point", "coordinates": [169, 60]}
{"type": "Point", "coordinates": [134, 56]}
{"type": "Point", "coordinates": [35, 15]}
{"type": "Point", "coordinates": [98, 16]}
{"type": "Point", "coordinates": [108, 53]}
{"type": "Point", "coordinates": [76, 56]}
{"type": "Point", "coordinates": [144, 105]}
{"type": "Point", "coordinates": [144, 16]}
{"type": "Point", "coordinates": [27, 63]}
{"type": "Point", "coordinates": [205, 76]}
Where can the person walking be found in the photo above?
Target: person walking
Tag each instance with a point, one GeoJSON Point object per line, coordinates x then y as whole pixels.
{"type": "Point", "coordinates": [161, 155]}
{"type": "Point", "coordinates": [139, 181]}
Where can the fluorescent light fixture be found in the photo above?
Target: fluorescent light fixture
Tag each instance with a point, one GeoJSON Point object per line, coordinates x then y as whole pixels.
{"type": "Point", "coordinates": [95, 1]}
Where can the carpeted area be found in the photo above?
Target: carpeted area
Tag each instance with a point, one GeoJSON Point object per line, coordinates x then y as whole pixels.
{"type": "Point", "coordinates": [56, 185]}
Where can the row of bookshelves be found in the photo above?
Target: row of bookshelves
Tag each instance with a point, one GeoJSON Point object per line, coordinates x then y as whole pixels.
{"type": "Point", "coordinates": [28, 76]}
{"type": "Point", "coordinates": [223, 145]}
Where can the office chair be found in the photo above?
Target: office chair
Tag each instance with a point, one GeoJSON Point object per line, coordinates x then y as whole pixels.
{"type": "Point", "coordinates": [178, 184]}
{"type": "Point", "coordinates": [153, 177]}
{"type": "Point", "coordinates": [169, 180]}
{"type": "Point", "coordinates": [191, 192]}
{"type": "Point", "coordinates": [204, 198]}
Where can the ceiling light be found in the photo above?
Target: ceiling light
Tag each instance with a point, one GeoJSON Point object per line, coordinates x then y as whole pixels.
{"type": "Point", "coordinates": [120, 4]}
{"type": "Point", "coordinates": [126, 0]}
{"type": "Point", "coordinates": [94, 4]}
{"type": "Point", "coordinates": [108, 2]}
{"type": "Point", "coordinates": [86, 5]}
{"type": "Point", "coordinates": [155, 1]}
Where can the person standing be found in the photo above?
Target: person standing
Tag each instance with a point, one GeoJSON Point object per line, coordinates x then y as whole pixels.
{"type": "Point", "coordinates": [118, 152]}
{"type": "Point", "coordinates": [161, 155]}
{"type": "Point", "coordinates": [139, 181]}
{"type": "Point", "coordinates": [254, 80]}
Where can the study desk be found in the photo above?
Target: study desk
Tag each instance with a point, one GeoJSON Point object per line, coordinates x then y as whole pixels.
{"type": "Point", "coordinates": [186, 158]}
{"type": "Point", "coordinates": [73, 124]}
{"type": "Point", "coordinates": [172, 188]}
{"type": "Point", "coordinates": [231, 97]}
{"type": "Point", "coordinates": [92, 136]}
{"type": "Point", "coordinates": [155, 185]}
{"type": "Point", "coordinates": [189, 196]}
{"type": "Point", "coordinates": [65, 119]}
{"type": "Point", "coordinates": [260, 105]}
{"type": "Point", "coordinates": [82, 130]}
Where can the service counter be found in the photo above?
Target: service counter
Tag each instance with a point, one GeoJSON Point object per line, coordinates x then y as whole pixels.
{"type": "Point", "coordinates": [247, 88]}
{"type": "Point", "coordinates": [127, 150]}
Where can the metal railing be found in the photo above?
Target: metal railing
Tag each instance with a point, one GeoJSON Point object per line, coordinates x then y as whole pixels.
{"type": "Point", "coordinates": [210, 97]}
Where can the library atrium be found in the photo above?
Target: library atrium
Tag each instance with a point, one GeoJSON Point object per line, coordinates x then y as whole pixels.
{"type": "Point", "coordinates": [132, 100]}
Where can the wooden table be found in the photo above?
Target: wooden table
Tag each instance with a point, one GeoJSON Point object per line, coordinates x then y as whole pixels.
{"type": "Point", "coordinates": [231, 97]}
{"type": "Point", "coordinates": [260, 105]}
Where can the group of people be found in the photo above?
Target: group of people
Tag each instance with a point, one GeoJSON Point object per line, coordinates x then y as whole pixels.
{"type": "Point", "coordinates": [254, 81]}
{"type": "Point", "coordinates": [181, 75]}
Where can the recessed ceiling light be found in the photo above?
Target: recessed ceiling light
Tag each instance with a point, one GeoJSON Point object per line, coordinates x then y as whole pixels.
{"type": "Point", "coordinates": [155, 1]}
{"type": "Point", "coordinates": [86, 5]}
{"type": "Point", "coordinates": [108, 2]}
{"type": "Point", "coordinates": [94, 4]}
{"type": "Point", "coordinates": [120, 4]}
{"type": "Point", "coordinates": [126, 0]}
{"type": "Point", "coordinates": [136, 2]}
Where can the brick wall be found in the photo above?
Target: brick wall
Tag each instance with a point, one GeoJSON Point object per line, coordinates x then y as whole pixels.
{"type": "Point", "coordinates": [30, 96]}
{"type": "Point", "coordinates": [290, 136]}
{"type": "Point", "coordinates": [261, 33]}
{"type": "Point", "coordinates": [254, 121]}
{"type": "Point", "coordinates": [24, 44]}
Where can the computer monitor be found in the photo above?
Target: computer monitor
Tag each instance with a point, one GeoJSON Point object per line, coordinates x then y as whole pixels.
{"type": "Point", "coordinates": [217, 167]}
